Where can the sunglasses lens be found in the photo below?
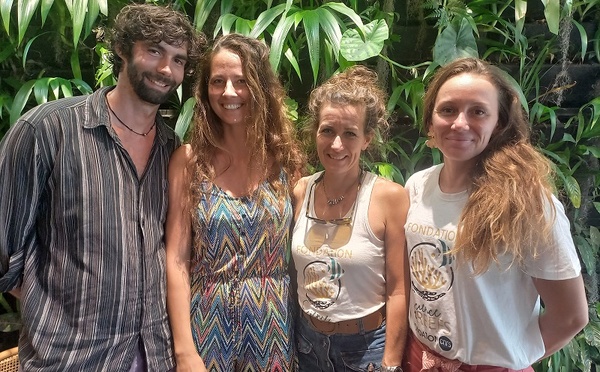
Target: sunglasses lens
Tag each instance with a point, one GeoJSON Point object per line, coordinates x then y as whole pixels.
{"type": "Point", "coordinates": [334, 236]}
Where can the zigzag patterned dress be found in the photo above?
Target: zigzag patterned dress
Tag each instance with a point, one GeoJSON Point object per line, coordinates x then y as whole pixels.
{"type": "Point", "coordinates": [241, 312]}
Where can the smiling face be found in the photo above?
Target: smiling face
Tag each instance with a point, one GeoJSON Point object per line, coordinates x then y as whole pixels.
{"type": "Point", "coordinates": [465, 116]}
{"type": "Point", "coordinates": [155, 70]}
{"type": "Point", "coordinates": [228, 93]}
{"type": "Point", "coordinates": [341, 137]}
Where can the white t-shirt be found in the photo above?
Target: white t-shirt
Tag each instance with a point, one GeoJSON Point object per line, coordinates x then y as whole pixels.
{"type": "Point", "coordinates": [340, 271]}
{"type": "Point", "coordinates": [490, 319]}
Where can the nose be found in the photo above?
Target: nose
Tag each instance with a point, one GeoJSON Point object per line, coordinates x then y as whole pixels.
{"type": "Point", "coordinates": [461, 122]}
{"type": "Point", "coordinates": [229, 89]}
{"type": "Point", "coordinates": [337, 143]}
{"type": "Point", "coordinates": [165, 67]}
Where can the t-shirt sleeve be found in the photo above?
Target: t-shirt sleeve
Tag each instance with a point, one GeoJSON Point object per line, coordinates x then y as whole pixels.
{"type": "Point", "coordinates": [558, 260]}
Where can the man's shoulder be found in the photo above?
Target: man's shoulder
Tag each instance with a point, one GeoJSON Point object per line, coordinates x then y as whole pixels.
{"type": "Point", "coordinates": [63, 108]}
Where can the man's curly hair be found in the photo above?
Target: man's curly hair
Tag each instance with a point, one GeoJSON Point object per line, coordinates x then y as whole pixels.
{"type": "Point", "coordinates": [153, 23]}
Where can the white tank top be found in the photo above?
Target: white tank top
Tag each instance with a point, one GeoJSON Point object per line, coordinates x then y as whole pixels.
{"type": "Point", "coordinates": [341, 269]}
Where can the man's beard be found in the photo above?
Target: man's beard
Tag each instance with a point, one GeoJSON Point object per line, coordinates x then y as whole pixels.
{"type": "Point", "coordinates": [144, 91]}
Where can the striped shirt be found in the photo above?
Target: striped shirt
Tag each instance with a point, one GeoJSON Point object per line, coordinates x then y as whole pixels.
{"type": "Point", "coordinates": [83, 237]}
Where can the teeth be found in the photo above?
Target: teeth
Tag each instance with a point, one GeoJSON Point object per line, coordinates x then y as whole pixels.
{"type": "Point", "coordinates": [232, 106]}
{"type": "Point", "coordinates": [158, 83]}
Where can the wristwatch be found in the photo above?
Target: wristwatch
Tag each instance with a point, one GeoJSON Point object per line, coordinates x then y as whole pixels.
{"type": "Point", "coordinates": [391, 369]}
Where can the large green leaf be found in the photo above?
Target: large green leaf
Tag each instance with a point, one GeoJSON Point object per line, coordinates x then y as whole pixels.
{"type": "Point", "coordinates": [266, 18]}
{"type": "Point", "coordinates": [456, 41]}
{"type": "Point", "coordinates": [331, 26]}
{"type": "Point", "coordinates": [40, 90]}
{"type": "Point", "coordinates": [573, 190]}
{"type": "Point", "coordinates": [185, 118]}
{"type": "Point", "coordinates": [552, 14]}
{"type": "Point", "coordinates": [227, 21]}
{"type": "Point", "coordinates": [20, 101]}
{"type": "Point", "coordinates": [353, 48]}
{"type": "Point", "coordinates": [584, 39]}
{"type": "Point", "coordinates": [293, 62]}
{"type": "Point", "coordinates": [278, 40]}
{"type": "Point", "coordinates": [310, 20]}
{"type": "Point", "coordinates": [520, 11]}
{"type": "Point", "coordinates": [75, 65]}
{"type": "Point", "coordinates": [92, 13]}
{"type": "Point", "coordinates": [78, 13]}
{"type": "Point", "coordinates": [348, 12]}
{"type": "Point", "coordinates": [5, 7]}
{"type": "Point", "coordinates": [25, 10]}
{"type": "Point", "coordinates": [45, 9]}
{"type": "Point", "coordinates": [103, 6]}
{"type": "Point", "coordinates": [202, 11]}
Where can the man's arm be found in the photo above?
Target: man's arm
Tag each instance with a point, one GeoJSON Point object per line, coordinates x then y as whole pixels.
{"type": "Point", "coordinates": [22, 179]}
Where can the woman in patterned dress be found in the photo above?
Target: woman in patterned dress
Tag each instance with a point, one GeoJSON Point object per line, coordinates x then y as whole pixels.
{"type": "Point", "coordinates": [229, 218]}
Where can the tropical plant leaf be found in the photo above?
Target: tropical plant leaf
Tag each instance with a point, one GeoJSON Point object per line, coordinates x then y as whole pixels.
{"type": "Point", "coordinates": [573, 190]}
{"type": "Point", "coordinates": [40, 90]}
{"type": "Point", "coordinates": [310, 20]}
{"type": "Point", "coordinates": [82, 86]}
{"type": "Point", "coordinates": [202, 11]}
{"type": "Point", "coordinates": [353, 48]}
{"type": "Point", "coordinates": [184, 119]}
{"type": "Point", "coordinates": [5, 7]}
{"type": "Point", "coordinates": [266, 18]}
{"type": "Point", "coordinates": [28, 46]}
{"type": "Point", "coordinates": [584, 38]}
{"type": "Point", "coordinates": [289, 55]}
{"type": "Point", "coordinates": [25, 10]}
{"type": "Point", "coordinates": [45, 9]}
{"type": "Point", "coordinates": [278, 40]}
{"type": "Point", "coordinates": [20, 101]}
{"type": "Point", "coordinates": [54, 87]}
{"type": "Point", "coordinates": [78, 13]}
{"type": "Point", "coordinates": [227, 21]}
{"type": "Point", "coordinates": [75, 65]}
{"type": "Point", "coordinates": [348, 12]}
{"type": "Point", "coordinates": [456, 41]}
{"type": "Point", "coordinates": [552, 14]}
{"type": "Point", "coordinates": [331, 27]}
{"type": "Point", "coordinates": [92, 13]}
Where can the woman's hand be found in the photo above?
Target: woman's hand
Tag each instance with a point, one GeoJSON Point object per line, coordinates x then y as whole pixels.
{"type": "Point", "coordinates": [190, 362]}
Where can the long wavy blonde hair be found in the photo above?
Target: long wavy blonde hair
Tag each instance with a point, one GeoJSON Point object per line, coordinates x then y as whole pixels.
{"type": "Point", "coordinates": [507, 212]}
{"type": "Point", "coordinates": [270, 132]}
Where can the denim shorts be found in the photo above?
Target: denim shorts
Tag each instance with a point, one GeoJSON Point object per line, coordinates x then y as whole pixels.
{"type": "Point", "coordinates": [338, 352]}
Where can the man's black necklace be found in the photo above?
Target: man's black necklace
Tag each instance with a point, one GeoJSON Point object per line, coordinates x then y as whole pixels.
{"type": "Point", "coordinates": [127, 126]}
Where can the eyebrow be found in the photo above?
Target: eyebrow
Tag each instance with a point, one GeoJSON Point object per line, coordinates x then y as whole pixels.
{"type": "Point", "coordinates": [163, 49]}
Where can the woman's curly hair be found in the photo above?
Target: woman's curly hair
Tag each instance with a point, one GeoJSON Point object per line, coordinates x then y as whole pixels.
{"type": "Point", "coordinates": [509, 210]}
{"type": "Point", "coordinates": [153, 23]}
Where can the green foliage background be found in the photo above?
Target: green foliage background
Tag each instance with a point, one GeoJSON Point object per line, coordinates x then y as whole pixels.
{"type": "Point", "coordinates": [55, 48]}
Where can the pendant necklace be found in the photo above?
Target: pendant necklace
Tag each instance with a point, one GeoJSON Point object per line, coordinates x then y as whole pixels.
{"type": "Point", "coordinates": [335, 201]}
{"type": "Point", "coordinates": [127, 126]}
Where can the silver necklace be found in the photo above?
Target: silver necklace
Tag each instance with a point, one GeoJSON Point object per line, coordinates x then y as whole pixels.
{"type": "Point", "coordinates": [127, 126]}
